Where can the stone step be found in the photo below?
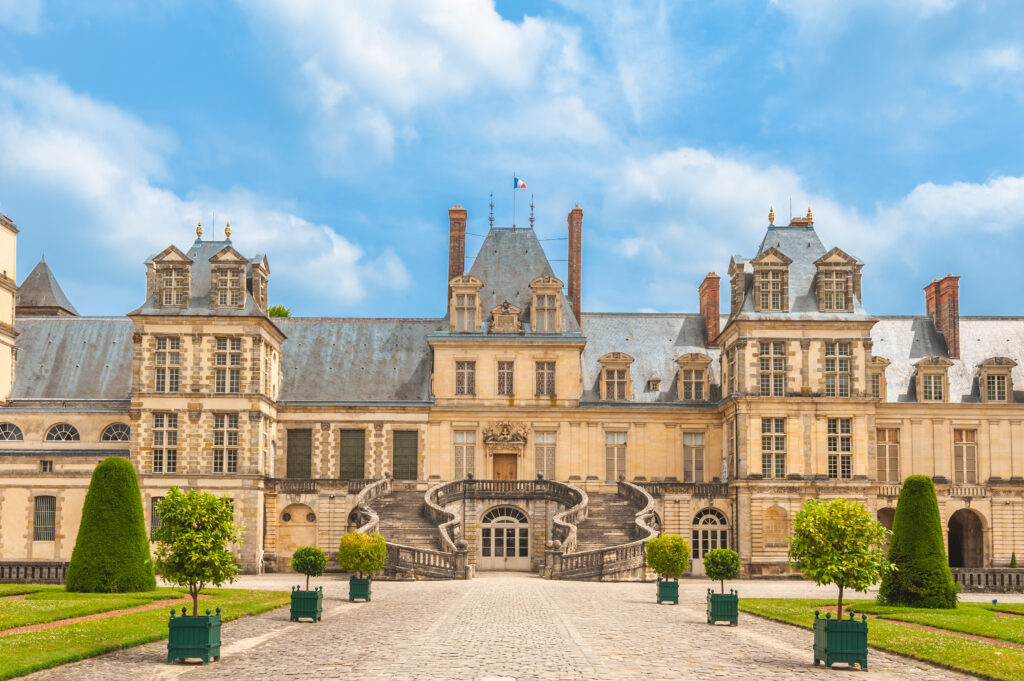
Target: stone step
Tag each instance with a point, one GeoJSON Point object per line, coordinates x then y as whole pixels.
{"type": "Point", "coordinates": [402, 520]}
{"type": "Point", "coordinates": [609, 522]}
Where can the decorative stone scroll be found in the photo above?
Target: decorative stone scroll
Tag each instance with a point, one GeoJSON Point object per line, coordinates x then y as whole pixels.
{"type": "Point", "coordinates": [503, 436]}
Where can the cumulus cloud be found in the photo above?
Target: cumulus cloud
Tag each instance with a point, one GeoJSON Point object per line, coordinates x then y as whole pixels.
{"type": "Point", "coordinates": [108, 164]}
{"type": "Point", "coordinates": [21, 15]}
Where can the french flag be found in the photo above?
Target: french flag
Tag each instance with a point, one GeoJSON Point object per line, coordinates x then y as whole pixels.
{"type": "Point", "coordinates": [518, 184]}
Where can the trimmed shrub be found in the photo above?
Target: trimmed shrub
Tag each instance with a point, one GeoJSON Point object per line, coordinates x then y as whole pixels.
{"type": "Point", "coordinates": [921, 578]}
{"type": "Point", "coordinates": [310, 561]}
{"type": "Point", "coordinates": [668, 555]}
{"type": "Point", "coordinates": [362, 554]}
{"type": "Point", "coordinates": [721, 564]}
{"type": "Point", "coordinates": [1013, 560]}
{"type": "Point", "coordinates": [111, 553]}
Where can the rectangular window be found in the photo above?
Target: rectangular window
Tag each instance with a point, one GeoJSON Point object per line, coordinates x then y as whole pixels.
{"type": "Point", "coordinates": [353, 454]}
{"type": "Point", "coordinates": [734, 381]}
{"type": "Point", "coordinates": [465, 453]}
{"type": "Point", "coordinates": [615, 454]}
{"type": "Point", "coordinates": [615, 384]}
{"type": "Point", "coordinates": [965, 456]}
{"type": "Point", "coordinates": [46, 466]}
{"type": "Point", "coordinates": [840, 448]}
{"type": "Point", "coordinates": [229, 287]}
{"type": "Point", "coordinates": [154, 515]}
{"type": "Point", "coordinates": [888, 454]}
{"type": "Point", "coordinates": [837, 369]}
{"type": "Point", "coordinates": [932, 387]}
{"type": "Point", "coordinates": [995, 388]}
{"type": "Point", "coordinates": [875, 383]}
{"type": "Point", "coordinates": [225, 443]}
{"type": "Point", "coordinates": [167, 359]}
{"type": "Point", "coordinates": [174, 288]}
{"type": "Point", "coordinates": [44, 528]}
{"type": "Point", "coordinates": [693, 385]}
{"type": "Point", "coordinates": [544, 451]}
{"type": "Point", "coordinates": [299, 453]}
{"type": "Point", "coordinates": [465, 378]}
{"type": "Point", "coordinates": [405, 454]}
{"type": "Point", "coordinates": [505, 378]}
{"type": "Point", "coordinates": [165, 443]}
{"type": "Point", "coordinates": [465, 312]}
{"type": "Point", "coordinates": [234, 380]}
{"type": "Point", "coordinates": [545, 379]}
{"type": "Point", "coordinates": [693, 457]}
{"type": "Point", "coordinates": [773, 448]}
{"type": "Point", "coordinates": [229, 353]}
{"type": "Point", "coordinates": [833, 290]}
{"type": "Point", "coordinates": [773, 369]}
{"type": "Point", "coordinates": [771, 289]}
{"type": "Point", "coordinates": [546, 314]}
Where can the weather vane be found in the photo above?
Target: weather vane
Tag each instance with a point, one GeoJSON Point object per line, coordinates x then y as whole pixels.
{"type": "Point", "coordinates": [491, 219]}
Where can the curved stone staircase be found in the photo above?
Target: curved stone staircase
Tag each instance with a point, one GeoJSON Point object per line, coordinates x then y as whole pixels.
{"type": "Point", "coordinates": [402, 520]}
{"type": "Point", "coordinates": [610, 521]}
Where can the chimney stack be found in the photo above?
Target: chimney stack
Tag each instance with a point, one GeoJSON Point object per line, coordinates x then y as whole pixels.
{"type": "Point", "coordinates": [708, 293]}
{"type": "Point", "coordinates": [456, 243]}
{"type": "Point", "coordinates": [942, 301]}
{"type": "Point", "coordinates": [575, 260]}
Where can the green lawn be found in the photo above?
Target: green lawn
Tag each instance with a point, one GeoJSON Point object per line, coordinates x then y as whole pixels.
{"type": "Point", "coordinates": [953, 651]}
{"type": "Point", "coordinates": [24, 653]}
{"type": "Point", "coordinates": [970, 618]}
{"type": "Point", "coordinates": [52, 605]}
{"type": "Point", "coordinates": [15, 589]}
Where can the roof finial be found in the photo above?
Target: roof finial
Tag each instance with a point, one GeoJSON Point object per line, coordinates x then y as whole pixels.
{"type": "Point", "coordinates": [227, 230]}
{"type": "Point", "coordinates": [491, 219]}
{"type": "Point", "coordinates": [199, 230]}
{"type": "Point", "coordinates": [531, 211]}
{"type": "Point", "coordinates": [810, 215]}
{"type": "Point", "coordinates": [771, 215]}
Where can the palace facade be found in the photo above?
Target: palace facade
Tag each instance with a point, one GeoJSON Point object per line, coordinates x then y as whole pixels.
{"type": "Point", "coordinates": [730, 421]}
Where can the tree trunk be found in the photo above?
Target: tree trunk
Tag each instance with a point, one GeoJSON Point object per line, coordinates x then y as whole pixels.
{"type": "Point", "coordinates": [722, 582]}
{"type": "Point", "coordinates": [307, 582]}
{"type": "Point", "coordinates": [195, 602]}
{"type": "Point", "coordinates": [839, 610]}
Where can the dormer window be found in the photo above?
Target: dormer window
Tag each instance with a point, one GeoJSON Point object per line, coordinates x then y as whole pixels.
{"type": "Point", "coordinates": [833, 291]}
{"type": "Point", "coordinates": [995, 381]}
{"type": "Point", "coordinates": [771, 281]}
{"type": "Point", "coordinates": [228, 286]}
{"type": "Point", "coordinates": [933, 379]}
{"type": "Point", "coordinates": [770, 289]}
{"type": "Point", "coordinates": [464, 306]}
{"type": "Point", "coordinates": [616, 382]}
{"type": "Point", "coordinates": [876, 378]}
{"type": "Point", "coordinates": [174, 286]}
{"type": "Point", "coordinates": [465, 312]}
{"type": "Point", "coordinates": [693, 381]}
{"type": "Point", "coordinates": [546, 312]}
{"type": "Point", "coordinates": [837, 282]}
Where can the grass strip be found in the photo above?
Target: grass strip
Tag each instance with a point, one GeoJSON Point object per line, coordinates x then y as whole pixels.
{"type": "Point", "coordinates": [52, 605]}
{"type": "Point", "coordinates": [946, 649]}
{"type": "Point", "coordinates": [24, 653]}
{"type": "Point", "coordinates": [969, 618]}
{"type": "Point", "coordinates": [18, 589]}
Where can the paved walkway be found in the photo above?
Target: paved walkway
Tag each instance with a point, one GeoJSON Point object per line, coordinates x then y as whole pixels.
{"type": "Point", "coordinates": [503, 627]}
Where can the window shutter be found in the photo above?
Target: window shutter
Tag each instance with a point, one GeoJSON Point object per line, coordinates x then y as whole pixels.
{"type": "Point", "coordinates": [352, 454]}
{"type": "Point", "coordinates": [300, 453]}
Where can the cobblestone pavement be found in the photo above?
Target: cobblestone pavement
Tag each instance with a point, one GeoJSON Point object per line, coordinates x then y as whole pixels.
{"type": "Point", "coordinates": [500, 627]}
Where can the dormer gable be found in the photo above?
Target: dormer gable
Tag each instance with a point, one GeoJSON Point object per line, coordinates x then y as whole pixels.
{"type": "Point", "coordinates": [616, 381]}
{"type": "Point", "coordinates": [228, 256]}
{"type": "Point", "coordinates": [546, 305]}
{"type": "Point", "coordinates": [169, 278]}
{"type": "Point", "coordinates": [505, 319]}
{"type": "Point", "coordinates": [771, 280]}
{"type": "Point", "coordinates": [228, 280]}
{"type": "Point", "coordinates": [737, 283]}
{"type": "Point", "coordinates": [932, 381]}
{"type": "Point", "coordinates": [693, 381]}
{"type": "Point", "coordinates": [464, 305]}
{"type": "Point", "coordinates": [837, 281]}
{"type": "Point", "coordinates": [995, 379]}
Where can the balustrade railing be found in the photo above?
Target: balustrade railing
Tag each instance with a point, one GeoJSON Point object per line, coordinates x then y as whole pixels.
{"type": "Point", "coordinates": [29, 572]}
{"type": "Point", "coordinates": [1000, 580]}
{"type": "Point", "coordinates": [695, 490]}
{"type": "Point", "coordinates": [369, 521]}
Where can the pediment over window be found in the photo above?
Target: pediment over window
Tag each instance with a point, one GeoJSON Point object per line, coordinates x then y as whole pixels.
{"type": "Point", "coordinates": [879, 361]}
{"type": "Point", "coordinates": [998, 362]}
{"type": "Point", "coordinates": [171, 256]}
{"type": "Point", "coordinates": [693, 359]}
{"type": "Point", "coordinates": [466, 281]}
{"type": "Point", "coordinates": [546, 283]}
{"type": "Point", "coordinates": [836, 256]}
{"type": "Point", "coordinates": [611, 358]}
{"type": "Point", "coordinates": [505, 319]}
{"type": "Point", "coordinates": [228, 256]}
{"type": "Point", "coordinates": [933, 362]}
{"type": "Point", "coordinates": [771, 257]}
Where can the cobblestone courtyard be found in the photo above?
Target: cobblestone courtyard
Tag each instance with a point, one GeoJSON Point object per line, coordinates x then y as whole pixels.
{"type": "Point", "coordinates": [503, 627]}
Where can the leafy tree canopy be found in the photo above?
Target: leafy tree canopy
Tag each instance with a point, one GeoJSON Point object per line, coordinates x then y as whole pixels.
{"type": "Point", "coordinates": [279, 311]}
{"type": "Point", "coordinates": [669, 555]}
{"type": "Point", "coordinates": [310, 561]}
{"type": "Point", "coordinates": [722, 564]}
{"type": "Point", "coordinates": [362, 554]}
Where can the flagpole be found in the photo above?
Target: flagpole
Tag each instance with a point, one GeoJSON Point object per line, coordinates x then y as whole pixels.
{"type": "Point", "coordinates": [514, 187]}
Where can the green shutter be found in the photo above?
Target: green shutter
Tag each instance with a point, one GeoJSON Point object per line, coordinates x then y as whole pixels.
{"type": "Point", "coordinates": [352, 454]}
{"type": "Point", "coordinates": [300, 453]}
{"type": "Point", "coordinates": [404, 454]}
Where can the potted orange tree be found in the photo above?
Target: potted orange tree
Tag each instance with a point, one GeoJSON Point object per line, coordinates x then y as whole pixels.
{"type": "Point", "coordinates": [720, 565]}
{"type": "Point", "coordinates": [362, 555]}
{"type": "Point", "coordinates": [669, 556]}
{"type": "Point", "coordinates": [838, 542]}
{"type": "Point", "coordinates": [310, 561]}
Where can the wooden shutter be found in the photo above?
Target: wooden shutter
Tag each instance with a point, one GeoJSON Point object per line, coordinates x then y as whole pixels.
{"type": "Point", "coordinates": [404, 454]}
{"type": "Point", "coordinates": [352, 454]}
{"type": "Point", "coordinates": [300, 453]}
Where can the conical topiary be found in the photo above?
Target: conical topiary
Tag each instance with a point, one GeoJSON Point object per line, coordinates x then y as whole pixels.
{"type": "Point", "coordinates": [112, 551]}
{"type": "Point", "coordinates": [922, 578]}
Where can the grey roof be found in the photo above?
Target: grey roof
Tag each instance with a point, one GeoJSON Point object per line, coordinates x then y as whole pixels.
{"type": "Point", "coordinates": [202, 281]}
{"type": "Point", "coordinates": [356, 360]}
{"type": "Point", "coordinates": [73, 358]}
{"type": "Point", "coordinates": [906, 340]}
{"type": "Point", "coordinates": [508, 260]}
{"type": "Point", "coordinates": [654, 341]}
{"type": "Point", "coordinates": [40, 289]}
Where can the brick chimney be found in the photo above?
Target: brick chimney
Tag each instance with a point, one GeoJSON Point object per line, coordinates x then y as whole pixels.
{"type": "Point", "coordinates": [708, 293]}
{"type": "Point", "coordinates": [942, 301]}
{"type": "Point", "coordinates": [456, 243]}
{"type": "Point", "coordinates": [575, 260]}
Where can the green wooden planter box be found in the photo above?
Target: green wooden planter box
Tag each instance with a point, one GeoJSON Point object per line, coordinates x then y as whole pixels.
{"type": "Point", "coordinates": [197, 636]}
{"type": "Point", "coordinates": [840, 640]}
{"type": "Point", "coordinates": [307, 603]}
{"type": "Point", "coordinates": [723, 607]}
{"type": "Point", "coordinates": [668, 591]}
{"type": "Point", "coordinates": [358, 588]}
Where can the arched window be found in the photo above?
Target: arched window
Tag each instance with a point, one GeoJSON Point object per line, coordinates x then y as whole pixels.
{"type": "Point", "coordinates": [10, 433]}
{"type": "Point", "coordinates": [505, 540]}
{"type": "Point", "coordinates": [62, 432]}
{"type": "Point", "coordinates": [45, 525]}
{"type": "Point", "coordinates": [116, 432]}
{"type": "Point", "coordinates": [776, 527]}
{"type": "Point", "coordinates": [710, 531]}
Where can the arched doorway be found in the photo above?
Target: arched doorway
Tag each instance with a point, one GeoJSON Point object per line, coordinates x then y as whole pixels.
{"type": "Point", "coordinates": [710, 531]}
{"type": "Point", "coordinates": [296, 527]}
{"type": "Point", "coordinates": [504, 539]}
{"type": "Point", "coordinates": [966, 539]}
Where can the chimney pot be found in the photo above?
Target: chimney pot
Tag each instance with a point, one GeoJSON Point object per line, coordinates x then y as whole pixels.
{"type": "Point", "coordinates": [709, 307]}
{"type": "Point", "coordinates": [942, 303]}
{"type": "Point", "coordinates": [575, 221]}
{"type": "Point", "coordinates": [456, 243]}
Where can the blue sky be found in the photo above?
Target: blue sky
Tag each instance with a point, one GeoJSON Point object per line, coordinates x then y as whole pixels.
{"type": "Point", "coordinates": [336, 135]}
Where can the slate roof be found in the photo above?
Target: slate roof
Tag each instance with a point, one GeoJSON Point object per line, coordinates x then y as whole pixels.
{"type": "Point", "coordinates": [202, 281]}
{"type": "Point", "coordinates": [654, 341]}
{"type": "Point", "coordinates": [40, 289]}
{"type": "Point", "coordinates": [356, 360]}
{"type": "Point", "coordinates": [508, 260]}
{"type": "Point", "coordinates": [73, 358]}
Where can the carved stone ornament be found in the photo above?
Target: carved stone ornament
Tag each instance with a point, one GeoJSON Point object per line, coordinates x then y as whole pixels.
{"type": "Point", "coordinates": [505, 434]}
{"type": "Point", "coordinates": [505, 319]}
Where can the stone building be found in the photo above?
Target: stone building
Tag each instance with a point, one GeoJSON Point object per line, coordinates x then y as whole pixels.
{"type": "Point", "coordinates": [724, 423]}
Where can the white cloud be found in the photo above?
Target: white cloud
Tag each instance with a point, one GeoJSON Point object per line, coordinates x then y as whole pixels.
{"type": "Point", "coordinates": [107, 162]}
{"type": "Point", "coordinates": [21, 15]}
{"type": "Point", "coordinates": [991, 66]}
{"type": "Point", "coordinates": [829, 16]}
{"type": "Point", "coordinates": [561, 118]}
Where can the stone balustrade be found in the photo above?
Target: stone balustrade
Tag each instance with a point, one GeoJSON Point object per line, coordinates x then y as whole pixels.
{"type": "Point", "coordinates": [28, 572]}
{"type": "Point", "coordinates": [998, 580]}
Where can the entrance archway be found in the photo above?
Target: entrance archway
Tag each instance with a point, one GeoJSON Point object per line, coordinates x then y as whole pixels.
{"type": "Point", "coordinates": [296, 527]}
{"type": "Point", "coordinates": [504, 539]}
{"type": "Point", "coordinates": [710, 531]}
{"type": "Point", "coordinates": [966, 539]}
